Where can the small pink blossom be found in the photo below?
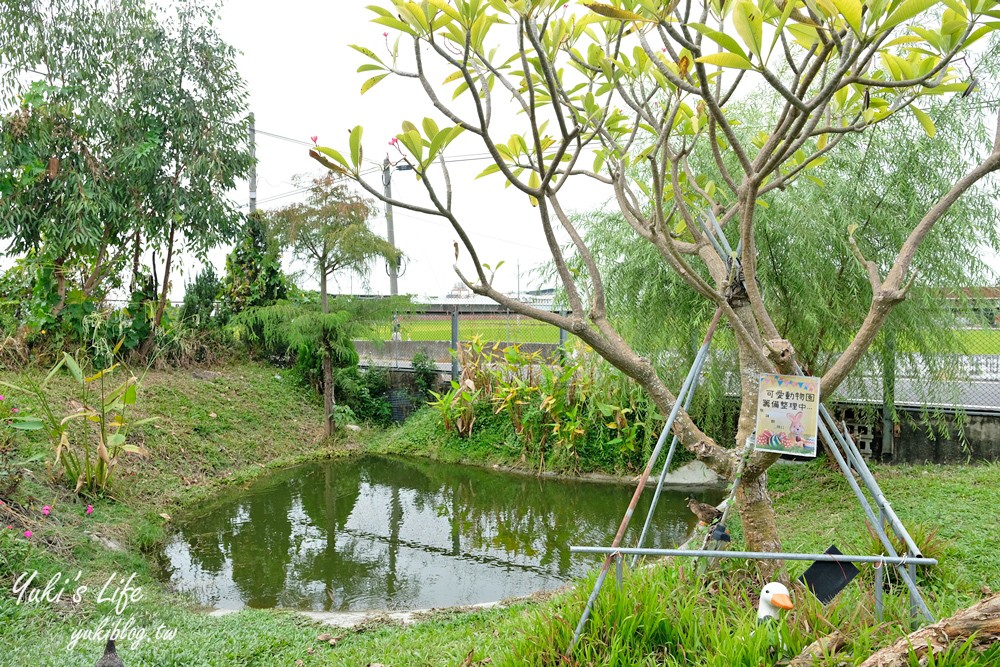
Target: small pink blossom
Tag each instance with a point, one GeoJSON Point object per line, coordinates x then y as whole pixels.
{"type": "Point", "coordinates": [314, 138]}
{"type": "Point", "coordinates": [28, 534]}
{"type": "Point", "coordinates": [46, 510]}
{"type": "Point", "coordinates": [90, 510]}
{"type": "Point", "coordinates": [394, 141]}
{"type": "Point", "coordinates": [10, 527]}
{"type": "Point", "coordinates": [385, 34]}
{"type": "Point", "coordinates": [1, 397]}
{"type": "Point", "coordinates": [15, 410]}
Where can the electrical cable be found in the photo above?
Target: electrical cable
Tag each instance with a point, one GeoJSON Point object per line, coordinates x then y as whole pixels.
{"type": "Point", "coordinates": [471, 233]}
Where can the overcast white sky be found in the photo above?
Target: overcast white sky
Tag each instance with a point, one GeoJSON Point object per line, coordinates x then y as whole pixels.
{"type": "Point", "coordinates": [303, 81]}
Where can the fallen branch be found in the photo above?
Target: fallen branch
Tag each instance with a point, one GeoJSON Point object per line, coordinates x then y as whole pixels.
{"type": "Point", "coordinates": [981, 619]}
{"type": "Point", "coordinates": [820, 648]}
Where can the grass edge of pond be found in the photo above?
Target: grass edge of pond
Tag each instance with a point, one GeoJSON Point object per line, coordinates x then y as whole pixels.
{"type": "Point", "coordinates": [276, 637]}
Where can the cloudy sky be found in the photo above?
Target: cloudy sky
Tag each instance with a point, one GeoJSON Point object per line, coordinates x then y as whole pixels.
{"type": "Point", "coordinates": [303, 81]}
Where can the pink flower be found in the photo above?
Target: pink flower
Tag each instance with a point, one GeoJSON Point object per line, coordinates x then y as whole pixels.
{"type": "Point", "coordinates": [385, 34]}
{"type": "Point", "coordinates": [28, 534]}
{"type": "Point", "coordinates": [46, 510]}
{"type": "Point", "coordinates": [314, 138]}
{"type": "Point", "coordinates": [10, 527]}
{"type": "Point", "coordinates": [1, 397]}
{"type": "Point", "coordinates": [15, 410]}
{"type": "Point", "coordinates": [90, 510]}
{"type": "Point", "coordinates": [394, 141]}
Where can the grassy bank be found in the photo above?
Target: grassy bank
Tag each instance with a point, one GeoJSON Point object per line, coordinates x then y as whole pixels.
{"type": "Point", "coordinates": [225, 429]}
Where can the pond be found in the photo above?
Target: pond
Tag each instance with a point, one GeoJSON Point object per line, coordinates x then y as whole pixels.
{"type": "Point", "coordinates": [391, 534]}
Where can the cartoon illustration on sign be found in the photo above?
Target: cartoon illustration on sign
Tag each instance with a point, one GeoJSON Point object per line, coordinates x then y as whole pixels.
{"type": "Point", "coordinates": [787, 414]}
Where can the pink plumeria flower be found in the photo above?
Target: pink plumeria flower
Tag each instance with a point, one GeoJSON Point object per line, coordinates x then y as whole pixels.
{"type": "Point", "coordinates": [385, 34]}
{"type": "Point", "coordinates": [28, 534]}
{"type": "Point", "coordinates": [46, 510]}
{"type": "Point", "coordinates": [314, 138]}
{"type": "Point", "coordinates": [90, 510]}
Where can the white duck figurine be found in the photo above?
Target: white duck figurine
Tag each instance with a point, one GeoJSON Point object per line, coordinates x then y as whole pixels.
{"type": "Point", "coordinates": [773, 597]}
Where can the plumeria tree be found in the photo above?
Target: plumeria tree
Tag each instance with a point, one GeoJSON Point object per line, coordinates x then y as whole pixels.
{"type": "Point", "coordinates": [628, 95]}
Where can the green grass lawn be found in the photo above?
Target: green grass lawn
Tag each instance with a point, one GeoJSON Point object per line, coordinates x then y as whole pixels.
{"type": "Point", "coordinates": [250, 419]}
{"type": "Point", "coordinates": [515, 329]}
{"type": "Point", "coordinates": [521, 329]}
{"type": "Point", "coordinates": [978, 341]}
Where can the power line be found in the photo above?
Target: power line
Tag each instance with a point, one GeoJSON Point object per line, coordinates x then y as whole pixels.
{"type": "Point", "coordinates": [471, 233]}
{"type": "Point", "coordinates": [274, 135]}
{"type": "Point", "coordinates": [299, 191]}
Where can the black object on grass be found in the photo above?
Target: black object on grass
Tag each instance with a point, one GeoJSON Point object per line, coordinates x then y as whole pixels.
{"type": "Point", "coordinates": [827, 578]}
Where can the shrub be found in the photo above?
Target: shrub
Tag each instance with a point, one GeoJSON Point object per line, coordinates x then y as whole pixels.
{"type": "Point", "coordinates": [366, 393]}
{"type": "Point", "coordinates": [89, 441]}
{"type": "Point", "coordinates": [424, 372]}
{"type": "Point", "coordinates": [199, 299]}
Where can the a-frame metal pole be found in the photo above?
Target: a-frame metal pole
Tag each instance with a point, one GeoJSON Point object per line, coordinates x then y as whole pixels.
{"type": "Point", "coordinates": [699, 358]}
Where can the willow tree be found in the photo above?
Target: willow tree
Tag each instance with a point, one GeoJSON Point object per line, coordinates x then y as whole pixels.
{"type": "Point", "coordinates": [593, 92]}
{"type": "Point", "coordinates": [330, 232]}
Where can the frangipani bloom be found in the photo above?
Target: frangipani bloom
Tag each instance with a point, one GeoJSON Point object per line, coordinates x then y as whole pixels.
{"type": "Point", "coordinates": [28, 534]}
{"type": "Point", "coordinates": [90, 510]}
{"type": "Point", "coordinates": [46, 510]}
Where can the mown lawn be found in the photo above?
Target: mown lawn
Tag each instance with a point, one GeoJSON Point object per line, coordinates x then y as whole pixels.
{"type": "Point", "coordinates": [512, 329]}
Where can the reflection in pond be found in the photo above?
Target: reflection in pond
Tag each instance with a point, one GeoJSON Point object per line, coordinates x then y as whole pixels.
{"type": "Point", "coordinates": [376, 533]}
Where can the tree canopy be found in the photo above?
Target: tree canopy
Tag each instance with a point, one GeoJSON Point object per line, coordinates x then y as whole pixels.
{"type": "Point", "coordinates": [633, 95]}
{"type": "Point", "coordinates": [125, 128]}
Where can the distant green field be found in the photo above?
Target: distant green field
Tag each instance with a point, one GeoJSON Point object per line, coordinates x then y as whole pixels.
{"type": "Point", "coordinates": [510, 329]}
{"type": "Point", "coordinates": [520, 329]}
{"type": "Point", "coordinates": [979, 341]}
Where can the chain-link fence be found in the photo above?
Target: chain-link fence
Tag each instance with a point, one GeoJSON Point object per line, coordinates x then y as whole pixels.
{"type": "Point", "coordinates": [964, 375]}
{"type": "Point", "coordinates": [947, 401]}
{"type": "Point", "coordinates": [432, 335]}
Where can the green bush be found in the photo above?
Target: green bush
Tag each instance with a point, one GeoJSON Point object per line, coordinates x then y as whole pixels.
{"type": "Point", "coordinates": [253, 271]}
{"type": "Point", "coordinates": [366, 393]}
{"type": "Point", "coordinates": [198, 310]}
{"type": "Point", "coordinates": [425, 373]}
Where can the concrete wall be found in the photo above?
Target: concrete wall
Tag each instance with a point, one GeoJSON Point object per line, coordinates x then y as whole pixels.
{"type": "Point", "coordinates": [982, 432]}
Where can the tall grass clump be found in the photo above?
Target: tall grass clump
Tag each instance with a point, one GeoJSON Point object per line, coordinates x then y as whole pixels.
{"type": "Point", "coordinates": [670, 613]}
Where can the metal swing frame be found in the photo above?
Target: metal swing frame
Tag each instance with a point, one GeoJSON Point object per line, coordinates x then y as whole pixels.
{"type": "Point", "coordinates": [839, 442]}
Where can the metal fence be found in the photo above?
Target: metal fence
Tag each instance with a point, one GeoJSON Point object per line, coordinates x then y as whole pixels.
{"type": "Point", "coordinates": [504, 327]}
{"type": "Point", "coordinates": [965, 375]}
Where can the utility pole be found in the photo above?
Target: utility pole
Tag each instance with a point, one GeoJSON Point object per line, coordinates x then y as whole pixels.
{"type": "Point", "coordinates": [387, 185]}
{"type": "Point", "coordinates": [253, 166]}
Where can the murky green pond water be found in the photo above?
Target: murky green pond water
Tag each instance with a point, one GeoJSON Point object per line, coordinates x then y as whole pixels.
{"type": "Point", "coordinates": [377, 533]}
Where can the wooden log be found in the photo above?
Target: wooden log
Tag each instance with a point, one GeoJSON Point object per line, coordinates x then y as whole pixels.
{"type": "Point", "coordinates": [822, 647]}
{"type": "Point", "coordinates": [982, 618]}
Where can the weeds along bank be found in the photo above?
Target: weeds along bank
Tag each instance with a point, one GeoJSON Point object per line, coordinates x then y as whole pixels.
{"type": "Point", "coordinates": [570, 412]}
